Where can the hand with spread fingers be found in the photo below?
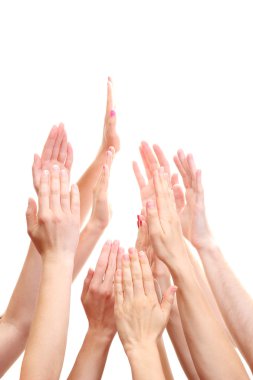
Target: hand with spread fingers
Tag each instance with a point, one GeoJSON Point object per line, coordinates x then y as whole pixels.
{"type": "Point", "coordinates": [140, 317]}
{"type": "Point", "coordinates": [191, 207]}
{"type": "Point", "coordinates": [98, 302]}
{"type": "Point", "coordinates": [57, 151]}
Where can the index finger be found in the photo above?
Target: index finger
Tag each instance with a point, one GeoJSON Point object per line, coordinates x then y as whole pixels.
{"type": "Point", "coordinates": [162, 158]}
{"type": "Point", "coordinates": [100, 269]}
{"type": "Point", "coordinates": [49, 144]}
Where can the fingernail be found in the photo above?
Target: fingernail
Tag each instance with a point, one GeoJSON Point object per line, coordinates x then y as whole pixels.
{"type": "Point", "coordinates": [173, 289]}
{"type": "Point", "coordinates": [112, 113]}
{"type": "Point", "coordinates": [161, 170]}
{"type": "Point", "coordinates": [109, 242]}
{"type": "Point", "coordinates": [141, 254]}
{"type": "Point", "coordinates": [131, 251]}
{"type": "Point", "coordinates": [56, 167]}
{"type": "Point", "coordinates": [116, 242]}
{"type": "Point", "coordinates": [126, 258]}
{"type": "Point", "coordinates": [150, 204]}
{"type": "Point", "coordinates": [63, 172]}
{"type": "Point", "coordinates": [46, 172]}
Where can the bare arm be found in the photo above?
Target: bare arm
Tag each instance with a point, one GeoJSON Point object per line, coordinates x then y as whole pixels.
{"type": "Point", "coordinates": [54, 230]}
{"type": "Point", "coordinates": [211, 351]}
{"type": "Point", "coordinates": [234, 302]}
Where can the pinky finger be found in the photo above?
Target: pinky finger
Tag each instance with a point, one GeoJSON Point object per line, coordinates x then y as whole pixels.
{"type": "Point", "coordinates": [75, 200]}
{"type": "Point", "coordinates": [69, 158]}
{"type": "Point", "coordinates": [86, 283]}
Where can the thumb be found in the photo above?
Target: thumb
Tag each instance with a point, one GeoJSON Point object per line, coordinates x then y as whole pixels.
{"type": "Point", "coordinates": [31, 215]}
{"type": "Point", "coordinates": [86, 283]}
{"type": "Point", "coordinates": [168, 299]}
{"type": "Point", "coordinates": [153, 220]}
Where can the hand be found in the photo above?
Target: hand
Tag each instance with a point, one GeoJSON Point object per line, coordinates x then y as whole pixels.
{"type": "Point", "coordinates": [110, 137]}
{"type": "Point", "coordinates": [101, 212]}
{"type": "Point", "coordinates": [160, 271]}
{"type": "Point", "coordinates": [192, 212]}
{"type": "Point", "coordinates": [56, 151]}
{"type": "Point", "coordinates": [97, 296]}
{"type": "Point", "coordinates": [54, 229]}
{"type": "Point", "coordinates": [140, 318]}
{"type": "Point", "coordinates": [163, 223]}
{"type": "Point", "coordinates": [151, 163]}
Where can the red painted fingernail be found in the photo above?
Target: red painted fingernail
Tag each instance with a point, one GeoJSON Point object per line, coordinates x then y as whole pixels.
{"type": "Point", "coordinates": [112, 113]}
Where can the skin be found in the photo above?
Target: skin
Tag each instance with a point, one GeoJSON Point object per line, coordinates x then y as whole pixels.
{"type": "Point", "coordinates": [140, 317]}
{"type": "Point", "coordinates": [212, 352]}
{"type": "Point", "coordinates": [54, 230]}
{"type": "Point", "coordinates": [234, 302]}
{"type": "Point", "coordinates": [16, 321]}
{"type": "Point", "coordinates": [98, 303]}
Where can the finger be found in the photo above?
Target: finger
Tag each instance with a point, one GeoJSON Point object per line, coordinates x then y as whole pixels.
{"type": "Point", "coordinates": [109, 102]}
{"type": "Point", "coordinates": [86, 283]}
{"type": "Point", "coordinates": [58, 142]}
{"type": "Point", "coordinates": [63, 148]}
{"type": "Point", "coordinates": [65, 194]}
{"type": "Point", "coordinates": [31, 215]}
{"type": "Point", "coordinates": [182, 172]}
{"type": "Point", "coordinates": [151, 159]}
{"type": "Point", "coordinates": [121, 252]}
{"type": "Point", "coordinates": [142, 237]}
{"type": "Point", "coordinates": [136, 272]}
{"type": "Point", "coordinates": [36, 171]}
{"type": "Point", "coordinates": [168, 299]}
{"type": "Point", "coordinates": [118, 288]}
{"type": "Point", "coordinates": [162, 197]}
{"type": "Point", "coordinates": [55, 201]}
{"type": "Point", "coordinates": [184, 164]}
{"type": "Point", "coordinates": [69, 158]}
{"type": "Point", "coordinates": [154, 226]}
{"type": "Point", "coordinates": [49, 145]}
{"type": "Point", "coordinates": [110, 156]}
{"type": "Point", "coordinates": [44, 192]}
{"type": "Point", "coordinates": [174, 179]}
{"type": "Point", "coordinates": [111, 266]}
{"type": "Point", "coordinates": [145, 163]}
{"type": "Point", "coordinates": [179, 197]}
{"type": "Point", "coordinates": [147, 277]}
{"type": "Point", "coordinates": [75, 201]}
{"type": "Point", "coordinates": [140, 179]}
{"type": "Point", "coordinates": [192, 168]}
{"type": "Point", "coordinates": [127, 278]}
{"type": "Point", "coordinates": [162, 158]}
{"type": "Point", "coordinates": [199, 186]}
{"type": "Point", "coordinates": [102, 264]}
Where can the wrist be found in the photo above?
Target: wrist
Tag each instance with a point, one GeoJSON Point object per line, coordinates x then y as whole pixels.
{"type": "Point", "coordinates": [95, 227]}
{"type": "Point", "coordinates": [140, 350]}
{"type": "Point", "coordinates": [100, 337]}
{"type": "Point", "coordinates": [56, 258]}
{"type": "Point", "coordinates": [209, 247]}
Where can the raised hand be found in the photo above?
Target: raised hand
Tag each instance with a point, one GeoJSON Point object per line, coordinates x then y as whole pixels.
{"type": "Point", "coordinates": [163, 222]}
{"type": "Point", "coordinates": [110, 136]}
{"type": "Point", "coordinates": [151, 163]}
{"type": "Point", "coordinates": [56, 151]}
{"type": "Point", "coordinates": [140, 317]}
{"type": "Point", "coordinates": [98, 295]}
{"type": "Point", "coordinates": [54, 228]}
{"type": "Point", "coordinates": [191, 208]}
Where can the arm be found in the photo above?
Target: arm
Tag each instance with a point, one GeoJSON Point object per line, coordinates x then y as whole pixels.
{"type": "Point", "coordinates": [16, 322]}
{"type": "Point", "coordinates": [234, 302]}
{"type": "Point", "coordinates": [140, 318]}
{"type": "Point", "coordinates": [54, 231]}
{"type": "Point", "coordinates": [211, 351]}
{"type": "Point", "coordinates": [98, 302]}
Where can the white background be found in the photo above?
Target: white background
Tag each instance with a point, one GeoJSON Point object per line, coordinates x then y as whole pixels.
{"type": "Point", "coordinates": [183, 76]}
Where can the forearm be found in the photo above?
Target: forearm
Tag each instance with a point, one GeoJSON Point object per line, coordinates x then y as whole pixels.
{"type": "Point", "coordinates": [88, 240]}
{"type": "Point", "coordinates": [87, 183]}
{"type": "Point", "coordinates": [92, 357]}
{"type": "Point", "coordinates": [47, 340]}
{"type": "Point", "coordinates": [164, 360]}
{"type": "Point", "coordinates": [208, 344]}
{"type": "Point", "coordinates": [234, 302]}
{"type": "Point", "coordinates": [145, 363]}
{"type": "Point", "coordinates": [177, 337]}
{"type": "Point", "coordinates": [16, 321]}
